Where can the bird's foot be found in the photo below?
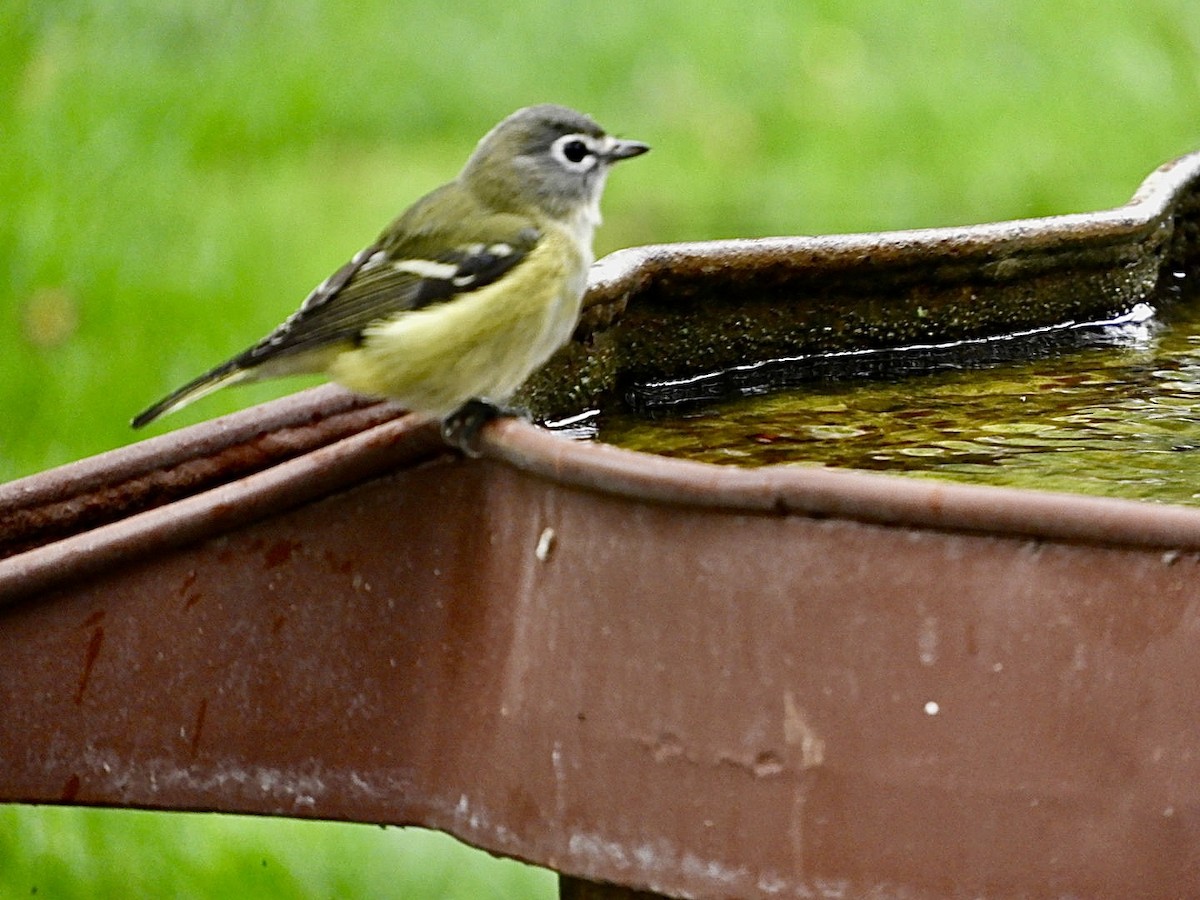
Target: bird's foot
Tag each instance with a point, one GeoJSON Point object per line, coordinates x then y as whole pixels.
{"type": "Point", "coordinates": [461, 428]}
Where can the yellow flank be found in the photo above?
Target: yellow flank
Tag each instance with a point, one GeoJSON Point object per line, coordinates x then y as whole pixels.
{"type": "Point", "coordinates": [481, 344]}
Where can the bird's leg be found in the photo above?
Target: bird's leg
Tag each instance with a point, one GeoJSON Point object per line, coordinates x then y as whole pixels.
{"type": "Point", "coordinates": [461, 428]}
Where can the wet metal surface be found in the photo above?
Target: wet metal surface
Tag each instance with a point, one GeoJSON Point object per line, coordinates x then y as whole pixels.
{"type": "Point", "coordinates": [696, 680]}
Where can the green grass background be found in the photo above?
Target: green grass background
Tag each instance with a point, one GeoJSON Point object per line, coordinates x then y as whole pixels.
{"type": "Point", "coordinates": [175, 175]}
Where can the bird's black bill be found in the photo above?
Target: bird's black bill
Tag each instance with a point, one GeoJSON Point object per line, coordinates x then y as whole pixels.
{"type": "Point", "coordinates": [625, 150]}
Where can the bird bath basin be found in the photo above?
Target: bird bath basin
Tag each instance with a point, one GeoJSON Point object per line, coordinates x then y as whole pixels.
{"type": "Point", "coordinates": [693, 679]}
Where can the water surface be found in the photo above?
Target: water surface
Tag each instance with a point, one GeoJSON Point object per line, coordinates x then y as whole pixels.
{"type": "Point", "coordinates": [1111, 410]}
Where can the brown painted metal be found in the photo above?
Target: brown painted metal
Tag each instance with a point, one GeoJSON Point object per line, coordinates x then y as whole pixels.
{"type": "Point", "coordinates": [118, 510]}
{"type": "Point", "coordinates": [113, 486]}
{"type": "Point", "coordinates": [693, 680]}
{"type": "Point", "coordinates": [727, 696]}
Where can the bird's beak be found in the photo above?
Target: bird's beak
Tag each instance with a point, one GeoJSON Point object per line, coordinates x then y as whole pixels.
{"type": "Point", "coordinates": [615, 149]}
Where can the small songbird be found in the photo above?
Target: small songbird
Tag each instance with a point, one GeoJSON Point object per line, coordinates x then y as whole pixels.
{"type": "Point", "coordinates": [466, 294]}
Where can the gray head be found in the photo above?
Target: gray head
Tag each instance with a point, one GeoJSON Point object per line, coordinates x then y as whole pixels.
{"type": "Point", "coordinates": [547, 157]}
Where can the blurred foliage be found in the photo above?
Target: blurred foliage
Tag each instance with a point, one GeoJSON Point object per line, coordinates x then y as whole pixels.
{"type": "Point", "coordinates": [178, 174]}
{"type": "Point", "coordinates": [57, 853]}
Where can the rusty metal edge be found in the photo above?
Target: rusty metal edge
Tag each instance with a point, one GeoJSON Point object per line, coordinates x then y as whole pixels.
{"type": "Point", "coordinates": [860, 496]}
{"type": "Point", "coordinates": [844, 493]}
{"type": "Point", "coordinates": [164, 451]}
{"type": "Point", "coordinates": [406, 441]}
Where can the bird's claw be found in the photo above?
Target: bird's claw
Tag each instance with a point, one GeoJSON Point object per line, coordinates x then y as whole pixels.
{"type": "Point", "coordinates": [461, 428]}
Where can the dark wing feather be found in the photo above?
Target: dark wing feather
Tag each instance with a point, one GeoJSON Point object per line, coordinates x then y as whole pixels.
{"type": "Point", "coordinates": [382, 281]}
{"type": "Point", "coordinates": [412, 265]}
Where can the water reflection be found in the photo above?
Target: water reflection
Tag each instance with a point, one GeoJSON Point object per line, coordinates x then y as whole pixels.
{"type": "Point", "coordinates": [1118, 416]}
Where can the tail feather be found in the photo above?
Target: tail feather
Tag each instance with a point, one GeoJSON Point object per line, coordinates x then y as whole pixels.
{"type": "Point", "coordinates": [222, 376]}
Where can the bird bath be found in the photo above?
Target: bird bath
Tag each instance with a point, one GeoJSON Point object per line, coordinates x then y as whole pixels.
{"type": "Point", "coordinates": [692, 679]}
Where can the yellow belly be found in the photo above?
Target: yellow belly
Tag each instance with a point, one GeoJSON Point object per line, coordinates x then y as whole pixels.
{"type": "Point", "coordinates": [479, 345]}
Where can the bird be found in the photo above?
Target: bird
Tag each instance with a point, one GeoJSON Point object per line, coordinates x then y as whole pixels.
{"type": "Point", "coordinates": [467, 293]}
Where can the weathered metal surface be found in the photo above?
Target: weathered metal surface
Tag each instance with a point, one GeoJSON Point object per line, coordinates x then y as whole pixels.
{"type": "Point", "coordinates": [762, 693]}
{"type": "Point", "coordinates": [114, 486]}
{"type": "Point", "coordinates": [297, 480]}
{"type": "Point", "coordinates": [695, 680]}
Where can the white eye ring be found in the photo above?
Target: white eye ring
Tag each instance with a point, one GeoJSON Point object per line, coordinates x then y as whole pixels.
{"type": "Point", "coordinates": [575, 151]}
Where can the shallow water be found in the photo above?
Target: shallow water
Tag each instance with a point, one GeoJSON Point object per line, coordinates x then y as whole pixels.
{"type": "Point", "coordinates": [1118, 414]}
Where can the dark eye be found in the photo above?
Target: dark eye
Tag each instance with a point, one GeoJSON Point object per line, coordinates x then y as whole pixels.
{"type": "Point", "coordinates": [575, 151]}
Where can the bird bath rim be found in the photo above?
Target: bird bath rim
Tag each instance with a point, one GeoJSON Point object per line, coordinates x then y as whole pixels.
{"type": "Point", "coordinates": [217, 475]}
